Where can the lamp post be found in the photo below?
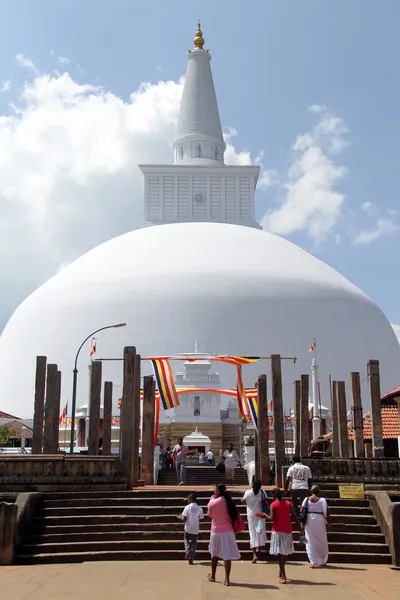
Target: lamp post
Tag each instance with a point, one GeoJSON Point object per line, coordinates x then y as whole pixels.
{"type": "Point", "coordinates": [75, 380]}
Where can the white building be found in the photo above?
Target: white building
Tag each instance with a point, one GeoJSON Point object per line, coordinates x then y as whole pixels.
{"type": "Point", "coordinates": [200, 269]}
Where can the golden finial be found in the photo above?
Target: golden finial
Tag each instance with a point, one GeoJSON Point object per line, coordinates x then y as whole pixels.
{"type": "Point", "coordinates": [198, 40]}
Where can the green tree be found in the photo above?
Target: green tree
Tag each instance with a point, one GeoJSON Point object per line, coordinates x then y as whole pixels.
{"type": "Point", "coordinates": [5, 433]}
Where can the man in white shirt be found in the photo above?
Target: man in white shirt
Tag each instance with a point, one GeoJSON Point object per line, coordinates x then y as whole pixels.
{"type": "Point", "coordinates": [179, 456]}
{"type": "Point", "coordinates": [231, 459]}
{"type": "Point", "coordinates": [210, 457]}
{"type": "Point", "coordinates": [298, 478]}
{"type": "Point", "coordinates": [192, 514]}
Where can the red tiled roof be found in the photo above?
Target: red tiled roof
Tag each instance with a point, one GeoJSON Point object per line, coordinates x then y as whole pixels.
{"type": "Point", "coordinates": [390, 424]}
{"type": "Point", "coordinates": [392, 394]}
{"type": "Point", "coordinates": [4, 415]}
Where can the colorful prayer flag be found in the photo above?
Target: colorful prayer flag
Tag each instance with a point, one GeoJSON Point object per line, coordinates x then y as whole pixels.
{"type": "Point", "coordinates": [313, 346]}
{"type": "Point", "coordinates": [93, 349]}
{"type": "Point", "coordinates": [63, 414]}
{"type": "Point", "coordinates": [253, 405]}
{"type": "Point", "coordinates": [241, 395]}
{"type": "Point", "coordinates": [165, 382]}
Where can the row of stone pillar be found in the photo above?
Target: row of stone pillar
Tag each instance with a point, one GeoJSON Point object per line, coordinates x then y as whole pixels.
{"type": "Point", "coordinates": [262, 439]}
{"type": "Point", "coordinates": [47, 412]}
{"type": "Point", "coordinates": [130, 422]}
{"type": "Point", "coordinates": [340, 437]}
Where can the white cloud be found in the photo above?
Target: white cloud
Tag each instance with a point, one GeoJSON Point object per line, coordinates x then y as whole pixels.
{"type": "Point", "coordinates": [63, 60]}
{"type": "Point", "coordinates": [382, 228]}
{"type": "Point", "coordinates": [317, 108]}
{"type": "Point", "coordinates": [311, 201]}
{"type": "Point", "coordinates": [397, 331]}
{"type": "Point", "coordinates": [68, 171]}
{"type": "Point", "coordinates": [5, 86]}
{"type": "Point", "coordinates": [26, 63]}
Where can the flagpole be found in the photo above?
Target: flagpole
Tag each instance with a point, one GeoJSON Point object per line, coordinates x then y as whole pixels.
{"type": "Point", "coordinates": [316, 423]}
{"type": "Point", "coordinates": [93, 346]}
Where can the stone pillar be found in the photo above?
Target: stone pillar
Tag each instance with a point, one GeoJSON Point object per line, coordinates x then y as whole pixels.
{"type": "Point", "coordinates": [8, 534]}
{"type": "Point", "coordinates": [107, 417]}
{"type": "Point", "coordinates": [257, 468]}
{"type": "Point", "coordinates": [263, 442]}
{"type": "Point", "coordinates": [148, 421]}
{"type": "Point", "coordinates": [136, 422]}
{"type": "Point", "coordinates": [304, 431]}
{"type": "Point", "coordinates": [297, 417]}
{"type": "Point", "coordinates": [127, 408]}
{"type": "Point", "coordinates": [279, 425]}
{"type": "Point", "coordinates": [40, 387]}
{"type": "Point", "coordinates": [343, 430]}
{"type": "Point", "coordinates": [358, 422]}
{"type": "Point", "coordinates": [94, 409]}
{"type": "Point", "coordinates": [376, 408]}
{"type": "Point", "coordinates": [52, 410]}
{"type": "Point", "coordinates": [335, 436]}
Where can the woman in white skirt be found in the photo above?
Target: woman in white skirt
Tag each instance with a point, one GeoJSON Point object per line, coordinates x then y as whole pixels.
{"type": "Point", "coordinates": [223, 512]}
{"type": "Point", "coordinates": [315, 528]}
{"type": "Point", "coordinates": [256, 502]}
{"type": "Point", "coordinates": [282, 513]}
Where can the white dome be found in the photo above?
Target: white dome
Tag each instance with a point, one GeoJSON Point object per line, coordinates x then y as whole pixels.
{"type": "Point", "coordinates": [235, 289]}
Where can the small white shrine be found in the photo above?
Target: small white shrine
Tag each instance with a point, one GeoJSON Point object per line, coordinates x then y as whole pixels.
{"type": "Point", "coordinates": [197, 440]}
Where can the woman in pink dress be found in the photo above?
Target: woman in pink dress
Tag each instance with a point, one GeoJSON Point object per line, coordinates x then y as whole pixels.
{"type": "Point", "coordinates": [223, 512]}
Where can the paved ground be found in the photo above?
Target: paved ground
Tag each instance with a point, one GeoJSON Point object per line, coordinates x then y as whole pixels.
{"type": "Point", "coordinates": [169, 580]}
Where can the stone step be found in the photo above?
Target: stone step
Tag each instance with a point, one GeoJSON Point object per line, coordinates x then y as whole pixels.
{"type": "Point", "coordinates": [115, 509]}
{"type": "Point", "coordinates": [164, 545]}
{"type": "Point", "coordinates": [149, 517]}
{"type": "Point", "coordinates": [115, 527]}
{"type": "Point", "coordinates": [201, 555]}
{"type": "Point", "coordinates": [202, 500]}
{"type": "Point", "coordinates": [173, 533]}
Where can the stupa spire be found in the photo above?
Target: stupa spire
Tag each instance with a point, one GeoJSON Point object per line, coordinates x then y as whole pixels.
{"type": "Point", "coordinates": [199, 134]}
{"type": "Point", "coordinates": [198, 40]}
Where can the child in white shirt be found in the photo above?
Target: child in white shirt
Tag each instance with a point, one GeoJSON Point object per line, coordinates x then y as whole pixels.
{"type": "Point", "coordinates": [192, 513]}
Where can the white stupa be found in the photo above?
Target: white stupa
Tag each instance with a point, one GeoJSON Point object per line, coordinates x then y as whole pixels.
{"type": "Point", "coordinates": [202, 269]}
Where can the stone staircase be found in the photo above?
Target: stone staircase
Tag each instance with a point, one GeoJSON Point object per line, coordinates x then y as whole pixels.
{"type": "Point", "coordinates": [203, 475]}
{"type": "Point", "coordinates": [142, 525]}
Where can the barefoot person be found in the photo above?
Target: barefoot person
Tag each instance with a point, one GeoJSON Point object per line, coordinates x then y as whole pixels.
{"type": "Point", "coordinates": [281, 514]}
{"type": "Point", "coordinates": [223, 512]}
{"type": "Point", "coordinates": [315, 528]}
{"type": "Point", "coordinates": [256, 502]}
{"type": "Point", "coordinates": [231, 460]}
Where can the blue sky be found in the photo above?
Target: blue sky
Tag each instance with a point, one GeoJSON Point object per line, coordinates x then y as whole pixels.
{"type": "Point", "coordinates": [271, 62]}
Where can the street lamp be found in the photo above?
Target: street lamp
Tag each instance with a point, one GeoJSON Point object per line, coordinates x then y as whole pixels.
{"type": "Point", "coordinates": [75, 379]}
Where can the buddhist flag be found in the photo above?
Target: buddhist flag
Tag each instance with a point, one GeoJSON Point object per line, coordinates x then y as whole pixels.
{"type": "Point", "coordinates": [236, 360]}
{"type": "Point", "coordinates": [93, 348]}
{"type": "Point", "coordinates": [241, 395]}
{"type": "Point", "coordinates": [63, 414]}
{"type": "Point", "coordinates": [270, 406]}
{"type": "Point", "coordinates": [253, 405]}
{"type": "Point", "coordinates": [312, 347]}
{"type": "Point", "coordinates": [165, 382]}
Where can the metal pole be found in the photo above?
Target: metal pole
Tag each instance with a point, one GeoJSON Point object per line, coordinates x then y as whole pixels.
{"type": "Point", "coordinates": [75, 380]}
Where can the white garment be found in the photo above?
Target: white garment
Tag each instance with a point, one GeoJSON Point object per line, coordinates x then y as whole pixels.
{"type": "Point", "coordinates": [180, 452]}
{"type": "Point", "coordinates": [254, 505]}
{"type": "Point", "coordinates": [201, 458]}
{"type": "Point", "coordinates": [315, 530]}
{"type": "Point", "coordinates": [231, 459]}
{"type": "Point", "coordinates": [193, 513]}
{"type": "Point", "coordinates": [210, 455]}
{"type": "Point", "coordinates": [300, 475]}
{"type": "Point", "coordinates": [224, 546]}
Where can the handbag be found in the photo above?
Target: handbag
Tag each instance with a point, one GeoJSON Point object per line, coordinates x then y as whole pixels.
{"type": "Point", "coordinates": [259, 526]}
{"type": "Point", "coordinates": [238, 524]}
{"type": "Point", "coordinates": [264, 502]}
{"type": "Point", "coordinates": [304, 513]}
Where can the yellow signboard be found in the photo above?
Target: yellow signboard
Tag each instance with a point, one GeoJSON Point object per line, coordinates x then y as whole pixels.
{"type": "Point", "coordinates": [352, 491]}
